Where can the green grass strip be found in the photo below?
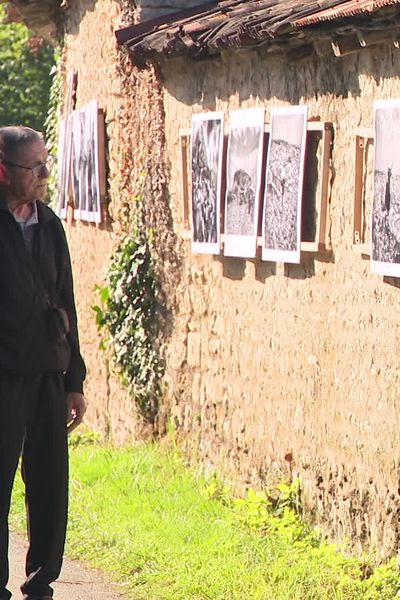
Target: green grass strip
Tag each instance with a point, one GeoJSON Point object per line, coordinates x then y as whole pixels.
{"type": "Point", "coordinates": [140, 514]}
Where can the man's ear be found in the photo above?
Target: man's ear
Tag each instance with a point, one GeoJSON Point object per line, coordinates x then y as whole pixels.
{"type": "Point", "coordinates": [2, 173]}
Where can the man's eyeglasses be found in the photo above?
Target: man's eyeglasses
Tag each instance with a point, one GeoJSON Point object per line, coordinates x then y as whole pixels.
{"type": "Point", "coordinates": [37, 170]}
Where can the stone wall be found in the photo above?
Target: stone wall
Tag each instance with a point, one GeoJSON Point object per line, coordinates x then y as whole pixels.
{"type": "Point", "coordinates": [271, 361]}
{"type": "Point", "coordinates": [91, 50]}
{"type": "Point", "coordinates": [272, 370]}
{"type": "Point", "coordinates": [133, 106]}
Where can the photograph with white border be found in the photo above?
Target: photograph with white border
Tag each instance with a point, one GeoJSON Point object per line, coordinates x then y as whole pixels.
{"type": "Point", "coordinates": [281, 222]}
{"type": "Point", "coordinates": [243, 181]}
{"type": "Point", "coordinates": [91, 206]}
{"type": "Point", "coordinates": [63, 165]}
{"type": "Point", "coordinates": [77, 144]}
{"type": "Point", "coordinates": [385, 214]}
{"type": "Point", "coordinates": [207, 138]}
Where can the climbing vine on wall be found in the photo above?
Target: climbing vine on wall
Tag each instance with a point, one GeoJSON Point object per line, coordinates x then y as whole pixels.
{"type": "Point", "coordinates": [127, 318]}
{"type": "Point", "coordinates": [52, 121]}
{"type": "Point", "coordinates": [136, 301]}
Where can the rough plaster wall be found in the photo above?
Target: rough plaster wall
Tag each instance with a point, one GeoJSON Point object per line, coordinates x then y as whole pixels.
{"type": "Point", "coordinates": [265, 361]}
{"type": "Point", "coordinates": [90, 49]}
{"type": "Point", "coordinates": [132, 102]}
{"type": "Point", "coordinates": [270, 361]}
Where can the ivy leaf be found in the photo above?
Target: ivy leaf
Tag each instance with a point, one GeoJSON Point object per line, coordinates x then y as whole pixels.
{"type": "Point", "coordinates": [128, 313]}
{"type": "Point", "coordinates": [104, 294]}
{"type": "Point", "coordinates": [100, 320]}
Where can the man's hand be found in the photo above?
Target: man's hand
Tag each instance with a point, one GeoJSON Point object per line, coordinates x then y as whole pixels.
{"type": "Point", "coordinates": [76, 408]}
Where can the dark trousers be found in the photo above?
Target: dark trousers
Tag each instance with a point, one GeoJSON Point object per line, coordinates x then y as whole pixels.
{"type": "Point", "coordinates": [33, 423]}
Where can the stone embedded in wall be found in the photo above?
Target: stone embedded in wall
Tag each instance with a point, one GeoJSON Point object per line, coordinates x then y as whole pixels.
{"type": "Point", "coordinates": [177, 355]}
{"type": "Point", "coordinates": [214, 345]}
{"type": "Point", "coordinates": [196, 275]}
{"type": "Point", "coordinates": [194, 324]}
{"type": "Point", "coordinates": [218, 326]}
{"type": "Point", "coordinates": [303, 365]}
{"type": "Point", "coordinates": [196, 389]}
{"type": "Point", "coordinates": [292, 361]}
{"type": "Point", "coordinates": [214, 388]}
{"type": "Point", "coordinates": [184, 303]}
{"type": "Point", "coordinates": [198, 301]}
{"type": "Point", "coordinates": [193, 349]}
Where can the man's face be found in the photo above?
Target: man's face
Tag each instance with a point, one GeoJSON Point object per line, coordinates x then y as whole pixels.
{"type": "Point", "coordinates": [26, 185]}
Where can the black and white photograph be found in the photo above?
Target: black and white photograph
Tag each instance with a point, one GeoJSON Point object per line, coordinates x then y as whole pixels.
{"type": "Point", "coordinates": [385, 226]}
{"type": "Point", "coordinates": [85, 163]}
{"type": "Point", "coordinates": [281, 223]}
{"type": "Point", "coordinates": [93, 177]}
{"type": "Point", "coordinates": [244, 165]}
{"type": "Point", "coordinates": [77, 143]}
{"type": "Point", "coordinates": [64, 151]}
{"type": "Point", "coordinates": [63, 165]}
{"type": "Point", "coordinates": [207, 139]}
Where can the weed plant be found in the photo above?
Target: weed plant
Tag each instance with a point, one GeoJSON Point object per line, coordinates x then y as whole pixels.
{"type": "Point", "coordinates": [140, 514]}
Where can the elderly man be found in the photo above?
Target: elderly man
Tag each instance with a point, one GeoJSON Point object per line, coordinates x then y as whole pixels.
{"type": "Point", "coordinates": [41, 368]}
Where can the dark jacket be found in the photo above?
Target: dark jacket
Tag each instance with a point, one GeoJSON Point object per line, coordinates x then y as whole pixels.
{"type": "Point", "coordinates": [29, 285]}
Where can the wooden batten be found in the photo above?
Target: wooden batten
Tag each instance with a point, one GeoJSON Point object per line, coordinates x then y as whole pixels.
{"type": "Point", "coordinates": [101, 136]}
{"type": "Point", "coordinates": [321, 238]}
{"type": "Point", "coordinates": [186, 192]}
{"type": "Point", "coordinates": [364, 137]}
{"type": "Point", "coordinates": [358, 187]}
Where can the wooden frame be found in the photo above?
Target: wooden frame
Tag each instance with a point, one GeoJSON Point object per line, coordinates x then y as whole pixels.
{"type": "Point", "coordinates": [320, 243]}
{"type": "Point", "coordinates": [186, 185]}
{"type": "Point", "coordinates": [64, 165]}
{"type": "Point", "coordinates": [101, 133]}
{"type": "Point", "coordinates": [72, 212]}
{"type": "Point", "coordinates": [364, 136]}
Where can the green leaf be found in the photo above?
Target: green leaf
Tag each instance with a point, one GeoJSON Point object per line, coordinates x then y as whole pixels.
{"type": "Point", "coordinates": [24, 76]}
{"type": "Point", "coordinates": [129, 312]}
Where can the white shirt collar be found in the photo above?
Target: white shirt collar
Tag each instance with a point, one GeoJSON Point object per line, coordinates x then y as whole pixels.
{"type": "Point", "coordinates": [32, 220]}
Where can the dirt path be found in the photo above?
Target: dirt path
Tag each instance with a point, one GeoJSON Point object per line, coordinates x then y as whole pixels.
{"type": "Point", "coordinates": [76, 582]}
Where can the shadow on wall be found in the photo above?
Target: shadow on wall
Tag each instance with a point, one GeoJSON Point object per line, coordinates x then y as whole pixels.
{"type": "Point", "coordinates": [251, 75]}
{"type": "Point", "coordinates": [77, 13]}
{"type": "Point", "coordinates": [235, 268]}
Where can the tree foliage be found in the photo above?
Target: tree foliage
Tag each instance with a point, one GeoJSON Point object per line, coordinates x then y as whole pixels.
{"type": "Point", "coordinates": [25, 64]}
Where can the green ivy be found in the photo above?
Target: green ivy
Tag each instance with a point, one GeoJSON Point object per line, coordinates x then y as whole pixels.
{"type": "Point", "coordinates": [127, 316]}
{"type": "Point", "coordinates": [52, 122]}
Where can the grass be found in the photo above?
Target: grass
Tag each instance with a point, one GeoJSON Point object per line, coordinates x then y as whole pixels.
{"type": "Point", "coordinates": [140, 514]}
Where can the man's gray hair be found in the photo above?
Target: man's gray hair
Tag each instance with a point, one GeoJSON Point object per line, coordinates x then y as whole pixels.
{"type": "Point", "coordinates": [13, 137]}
